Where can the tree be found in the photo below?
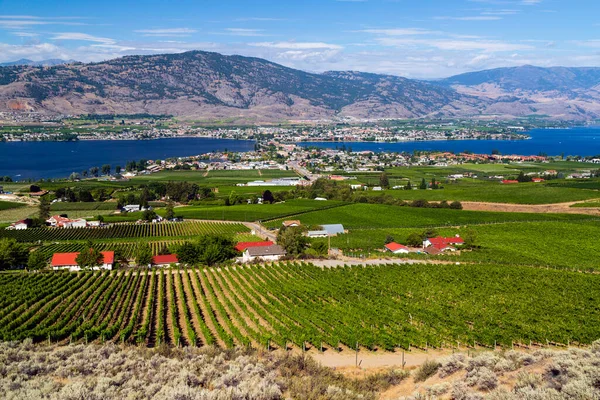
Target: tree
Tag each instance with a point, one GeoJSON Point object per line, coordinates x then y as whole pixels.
{"type": "Point", "coordinates": [74, 176]}
{"type": "Point", "coordinates": [94, 171]}
{"type": "Point", "coordinates": [118, 169]}
{"type": "Point", "coordinates": [268, 197]}
{"type": "Point", "coordinates": [208, 250]}
{"type": "Point", "coordinates": [292, 240]}
{"type": "Point", "coordinates": [90, 257]}
{"type": "Point", "coordinates": [106, 169]}
{"type": "Point", "coordinates": [524, 178]}
{"type": "Point", "coordinates": [84, 173]}
{"type": "Point", "coordinates": [144, 197]}
{"type": "Point", "coordinates": [389, 239]}
{"type": "Point", "coordinates": [456, 205]}
{"type": "Point", "coordinates": [169, 211]}
{"type": "Point", "coordinates": [148, 215]}
{"type": "Point", "coordinates": [143, 255]}
{"type": "Point", "coordinates": [408, 186]}
{"type": "Point", "coordinates": [12, 254]}
{"type": "Point", "coordinates": [384, 180]}
{"type": "Point", "coordinates": [434, 184]}
{"type": "Point", "coordinates": [470, 238]}
{"type": "Point", "coordinates": [423, 184]}
{"type": "Point", "coordinates": [44, 208]}
{"type": "Point", "coordinates": [37, 260]}
{"type": "Point", "coordinates": [100, 218]}
{"type": "Point", "coordinates": [34, 189]}
{"type": "Point", "coordinates": [414, 240]}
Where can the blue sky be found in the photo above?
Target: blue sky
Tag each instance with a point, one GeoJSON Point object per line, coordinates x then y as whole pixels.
{"type": "Point", "coordinates": [419, 39]}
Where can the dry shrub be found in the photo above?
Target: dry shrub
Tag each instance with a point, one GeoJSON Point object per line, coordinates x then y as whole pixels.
{"type": "Point", "coordinates": [426, 370]}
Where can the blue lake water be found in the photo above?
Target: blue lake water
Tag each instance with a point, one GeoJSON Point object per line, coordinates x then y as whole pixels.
{"type": "Point", "coordinates": [574, 141]}
{"type": "Point", "coordinates": [23, 160]}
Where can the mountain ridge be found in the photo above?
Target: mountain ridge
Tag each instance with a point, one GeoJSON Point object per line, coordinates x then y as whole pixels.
{"type": "Point", "coordinates": [199, 85]}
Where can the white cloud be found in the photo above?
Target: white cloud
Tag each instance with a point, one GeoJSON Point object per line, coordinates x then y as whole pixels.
{"type": "Point", "coordinates": [471, 18]}
{"type": "Point", "coordinates": [82, 36]}
{"type": "Point", "coordinates": [399, 31]}
{"type": "Point", "coordinates": [177, 32]}
{"type": "Point", "coordinates": [297, 45]}
{"type": "Point", "coordinates": [244, 32]}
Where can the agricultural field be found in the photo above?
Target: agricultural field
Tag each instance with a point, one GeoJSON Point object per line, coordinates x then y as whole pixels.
{"type": "Point", "coordinates": [254, 212]}
{"type": "Point", "coordinates": [214, 177]}
{"type": "Point", "coordinates": [8, 205]}
{"type": "Point", "coordinates": [66, 206]}
{"type": "Point", "coordinates": [115, 231]}
{"type": "Point", "coordinates": [16, 214]}
{"type": "Point", "coordinates": [370, 216]}
{"type": "Point", "coordinates": [291, 304]}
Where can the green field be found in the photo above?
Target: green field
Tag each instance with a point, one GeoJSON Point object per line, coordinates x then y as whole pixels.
{"type": "Point", "coordinates": [64, 206]}
{"type": "Point", "coordinates": [387, 307]}
{"type": "Point", "coordinates": [370, 216]}
{"type": "Point", "coordinates": [8, 205]}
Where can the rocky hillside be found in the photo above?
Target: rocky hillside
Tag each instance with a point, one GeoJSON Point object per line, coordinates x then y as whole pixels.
{"type": "Point", "coordinates": [210, 86]}
{"type": "Point", "coordinates": [201, 85]}
{"type": "Point", "coordinates": [558, 92]}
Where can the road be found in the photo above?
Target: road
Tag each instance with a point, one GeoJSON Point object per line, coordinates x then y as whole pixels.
{"type": "Point", "coordinates": [303, 171]}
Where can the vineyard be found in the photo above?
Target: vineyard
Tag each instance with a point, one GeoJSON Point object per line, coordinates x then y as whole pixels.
{"type": "Point", "coordinates": [127, 250]}
{"type": "Point", "coordinates": [125, 230]}
{"type": "Point", "coordinates": [293, 304]}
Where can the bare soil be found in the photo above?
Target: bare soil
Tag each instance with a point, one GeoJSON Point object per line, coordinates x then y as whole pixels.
{"type": "Point", "coordinates": [563, 208]}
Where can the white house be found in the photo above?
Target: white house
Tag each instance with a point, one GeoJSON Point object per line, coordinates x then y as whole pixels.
{"type": "Point", "coordinates": [397, 248]}
{"type": "Point", "coordinates": [62, 222]}
{"type": "Point", "coordinates": [132, 208]}
{"type": "Point", "coordinates": [69, 261]}
{"type": "Point", "coordinates": [320, 199]}
{"type": "Point", "coordinates": [377, 188]}
{"type": "Point", "coordinates": [19, 225]}
{"type": "Point", "coordinates": [317, 234]}
{"type": "Point", "coordinates": [263, 253]}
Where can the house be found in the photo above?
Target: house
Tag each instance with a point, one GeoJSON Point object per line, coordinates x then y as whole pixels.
{"type": "Point", "coordinates": [356, 187]}
{"type": "Point", "coordinates": [20, 225]}
{"type": "Point", "coordinates": [68, 261]}
{"type": "Point", "coordinates": [334, 229]}
{"type": "Point", "coordinates": [242, 246]}
{"type": "Point", "coordinates": [509, 181]}
{"type": "Point", "coordinates": [397, 248]}
{"type": "Point", "coordinates": [537, 180]}
{"type": "Point", "coordinates": [95, 224]}
{"type": "Point", "coordinates": [165, 260]}
{"type": "Point", "coordinates": [317, 234]}
{"type": "Point", "coordinates": [377, 189]}
{"type": "Point", "coordinates": [432, 251]}
{"type": "Point", "coordinates": [320, 199]}
{"type": "Point", "coordinates": [263, 253]}
{"type": "Point", "coordinates": [63, 222]}
{"type": "Point", "coordinates": [291, 223]}
{"type": "Point", "coordinates": [443, 243]}
{"type": "Point", "coordinates": [131, 208]}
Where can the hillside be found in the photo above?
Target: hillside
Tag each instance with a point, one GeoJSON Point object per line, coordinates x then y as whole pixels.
{"type": "Point", "coordinates": [558, 92]}
{"type": "Point", "coordinates": [201, 85]}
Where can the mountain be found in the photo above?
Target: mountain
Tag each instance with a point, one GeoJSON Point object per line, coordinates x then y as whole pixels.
{"type": "Point", "coordinates": [203, 85]}
{"type": "Point", "coordinates": [43, 63]}
{"type": "Point", "coordinates": [559, 92]}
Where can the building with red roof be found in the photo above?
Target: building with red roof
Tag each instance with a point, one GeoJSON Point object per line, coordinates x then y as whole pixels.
{"type": "Point", "coordinates": [69, 261]}
{"type": "Point", "coordinates": [165, 260]}
{"type": "Point", "coordinates": [509, 181]}
{"type": "Point", "coordinates": [242, 246]}
{"type": "Point", "coordinates": [443, 243]}
{"type": "Point", "coordinates": [397, 248]}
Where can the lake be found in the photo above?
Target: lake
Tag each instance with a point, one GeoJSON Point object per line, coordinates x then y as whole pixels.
{"type": "Point", "coordinates": [24, 160]}
{"type": "Point", "coordinates": [574, 141]}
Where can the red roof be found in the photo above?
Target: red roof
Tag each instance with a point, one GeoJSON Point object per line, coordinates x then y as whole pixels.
{"type": "Point", "coordinates": [395, 246]}
{"type": "Point", "coordinates": [68, 259]}
{"type": "Point", "coordinates": [165, 259]}
{"type": "Point", "coordinates": [510, 181]}
{"type": "Point", "coordinates": [241, 246]}
{"type": "Point", "coordinates": [443, 242]}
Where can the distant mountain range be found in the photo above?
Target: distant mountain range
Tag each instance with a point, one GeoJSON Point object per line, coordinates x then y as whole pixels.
{"type": "Point", "coordinates": [44, 63]}
{"type": "Point", "coordinates": [210, 86]}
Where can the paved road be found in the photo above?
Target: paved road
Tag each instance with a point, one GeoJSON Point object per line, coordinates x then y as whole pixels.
{"type": "Point", "coordinates": [261, 231]}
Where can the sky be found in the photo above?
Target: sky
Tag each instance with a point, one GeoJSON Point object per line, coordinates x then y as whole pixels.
{"type": "Point", "coordinates": [424, 39]}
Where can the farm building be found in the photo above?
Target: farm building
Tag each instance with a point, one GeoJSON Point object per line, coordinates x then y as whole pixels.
{"type": "Point", "coordinates": [288, 224]}
{"type": "Point", "coordinates": [242, 246]}
{"type": "Point", "coordinates": [131, 208]}
{"type": "Point", "coordinates": [443, 243]}
{"type": "Point", "coordinates": [334, 229]}
{"type": "Point", "coordinates": [19, 225]}
{"type": "Point", "coordinates": [263, 253]}
{"type": "Point", "coordinates": [165, 260]}
{"type": "Point", "coordinates": [510, 181]}
{"type": "Point", "coordinates": [62, 222]}
{"type": "Point", "coordinates": [68, 261]}
{"type": "Point", "coordinates": [317, 234]}
{"type": "Point", "coordinates": [397, 248]}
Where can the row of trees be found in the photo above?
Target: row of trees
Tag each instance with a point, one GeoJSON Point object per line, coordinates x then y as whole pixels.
{"type": "Point", "coordinates": [15, 255]}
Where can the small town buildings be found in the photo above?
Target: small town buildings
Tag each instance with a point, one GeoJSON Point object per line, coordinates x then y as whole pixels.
{"type": "Point", "coordinates": [242, 246]}
{"type": "Point", "coordinates": [397, 248]}
{"type": "Point", "coordinates": [68, 261]}
{"type": "Point", "coordinates": [291, 223]}
{"type": "Point", "coordinates": [165, 260]}
{"type": "Point", "coordinates": [63, 222]}
{"type": "Point", "coordinates": [263, 253]}
{"type": "Point", "coordinates": [19, 225]}
{"type": "Point", "coordinates": [131, 208]}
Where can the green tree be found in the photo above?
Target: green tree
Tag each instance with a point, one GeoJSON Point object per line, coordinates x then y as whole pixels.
{"type": "Point", "coordinates": [44, 208]}
{"type": "Point", "coordinates": [434, 184]}
{"type": "Point", "coordinates": [470, 238]}
{"type": "Point", "coordinates": [89, 258]}
{"type": "Point", "coordinates": [106, 169]}
{"type": "Point", "coordinates": [37, 260]}
{"type": "Point", "coordinates": [169, 210]}
{"type": "Point", "coordinates": [384, 180]}
{"type": "Point", "coordinates": [292, 240]}
{"type": "Point", "coordinates": [414, 240]}
{"type": "Point", "coordinates": [12, 254]}
{"type": "Point", "coordinates": [423, 184]}
{"type": "Point", "coordinates": [94, 171]}
{"type": "Point", "coordinates": [408, 186]}
{"type": "Point", "coordinates": [389, 239]}
{"type": "Point", "coordinates": [148, 215]}
{"type": "Point", "coordinates": [143, 255]}
{"type": "Point", "coordinates": [118, 169]}
{"type": "Point", "coordinates": [456, 205]}
{"type": "Point", "coordinates": [268, 197]}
